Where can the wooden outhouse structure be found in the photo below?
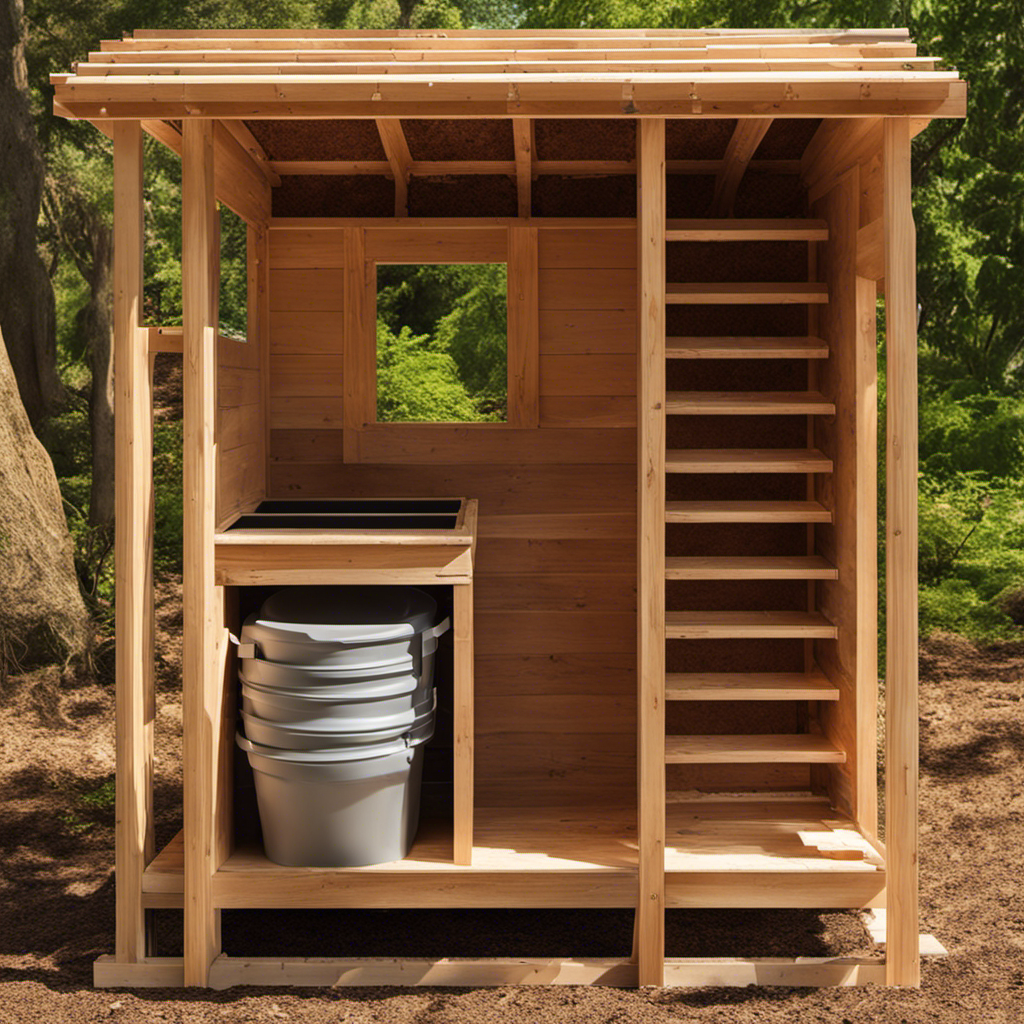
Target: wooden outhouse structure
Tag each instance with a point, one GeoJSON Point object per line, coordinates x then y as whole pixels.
{"type": "Point", "coordinates": [663, 573]}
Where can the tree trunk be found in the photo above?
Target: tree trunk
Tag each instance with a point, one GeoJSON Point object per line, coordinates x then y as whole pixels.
{"type": "Point", "coordinates": [97, 328]}
{"type": "Point", "coordinates": [42, 615]}
{"type": "Point", "coordinates": [27, 316]}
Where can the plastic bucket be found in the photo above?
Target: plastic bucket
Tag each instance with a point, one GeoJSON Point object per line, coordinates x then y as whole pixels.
{"type": "Point", "coordinates": [339, 808]}
{"type": "Point", "coordinates": [276, 675]}
{"type": "Point", "coordinates": [331, 703]}
{"type": "Point", "coordinates": [345, 627]}
{"type": "Point", "coordinates": [328, 733]}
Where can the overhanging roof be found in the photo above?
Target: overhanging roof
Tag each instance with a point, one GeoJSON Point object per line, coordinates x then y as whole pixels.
{"type": "Point", "coordinates": [761, 73]}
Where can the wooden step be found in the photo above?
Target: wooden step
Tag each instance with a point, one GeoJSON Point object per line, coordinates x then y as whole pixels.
{"type": "Point", "coordinates": [745, 348]}
{"type": "Point", "coordinates": [747, 293]}
{"type": "Point", "coordinates": [746, 460]}
{"type": "Point", "coordinates": [748, 403]}
{"type": "Point", "coordinates": [747, 512]}
{"type": "Point", "coordinates": [814, 685]}
{"type": "Point", "coordinates": [767, 567]}
{"type": "Point", "coordinates": [801, 748]}
{"type": "Point", "coordinates": [766, 625]}
{"type": "Point", "coordinates": [731, 230]}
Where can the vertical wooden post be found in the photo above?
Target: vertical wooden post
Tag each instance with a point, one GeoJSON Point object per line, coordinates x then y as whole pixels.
{"type": "Point", "coordinates": [463, 728]}
{"type": "Point", "coordinates": [203, 613]}
{"type": "Point", "coordinates": [651, 226]}
{"type": "Point", "coordinates": [133, 558]}
{"type": "Point", "coordinates": [901, 728]}
{"type": "Point", "coordinates": [359, 376]}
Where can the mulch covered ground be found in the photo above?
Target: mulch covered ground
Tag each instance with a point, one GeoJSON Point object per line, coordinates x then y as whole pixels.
{"type": "Point", "coordinates": [57, 901]}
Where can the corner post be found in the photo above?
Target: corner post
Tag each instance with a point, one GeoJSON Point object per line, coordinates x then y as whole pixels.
{"type": "Point", "coordinates": [901, 715]}
{"type": "Point", "coordinates": [203, 614]}
{"type": "Point", "coordinates": [133, 558]}
{"type": "Point", "coordinates": [651, 226]}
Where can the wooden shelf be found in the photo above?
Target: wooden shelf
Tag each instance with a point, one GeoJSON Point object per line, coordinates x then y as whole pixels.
{"type": "Point", "coordinates": [546, 857]}
{"type": "Point", "coordinates": [684, 686]}
{"type": "Point", "coordinates": [730, 230]}
{"type": "Point", "coordinates": [747, 293]}
{"type": "Point", "coordinates": [802, 748]}
{"type": "Point", "coordinates": [746, 460]}
{"type": "Point", "coordinates": [748, 625]}
{"type": "Point", "coordinates": [745, 348]}
{"type": "Point", "coordinates": [748, 403]}
{"type": "Point", "coordinates": [792, 850]}
{"type": "Point", "coordinates": [768, 567]}
{"type": "Point", "coordinates": [746, 512]}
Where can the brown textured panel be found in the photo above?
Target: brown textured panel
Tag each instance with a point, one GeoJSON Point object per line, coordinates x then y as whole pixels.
{"type": "Point", "coordinates": [736, 261]}
{"type": "Point", "coordinates": [467, 195]}
{"type": "Point", "coordinates": [318, 140]}
{"type": "Point", "coordinates": [737, 432]}
{"type": "Point", "coordinates": [717, 718]}
{"type": "Point", "coordinates": [738, 539]}
{"type": "Point", "coordinates": [737, 777]}
{"type": "Point", "coordinates": [787, 138]}
{"type": "Point", "coordinates": [697, 139]}
{"type": "Point", "coordinates": [326, 195]}
{"type": "Point", "coordinates": [689, 195]}
{"type": "Point", "coordinates": [610, 196]}
{"type": "Point", "coordinates": [770, 195]}
{"type": "Point", "coordinates": [585, 138]}
{"type": "Point", "coordinates": [711, 321]}
{"type": "Point", "coordinates": [735, 656]}
{"type": "Point", "coordinates": [737, 375]}
{"type": "Point", "coordinates": [736, 487]}
{"type": "Point", "coordinates": [469, 139]}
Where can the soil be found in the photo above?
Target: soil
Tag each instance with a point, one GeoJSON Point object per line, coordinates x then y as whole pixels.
{"type": "Point", "coordinates": [57, 895]}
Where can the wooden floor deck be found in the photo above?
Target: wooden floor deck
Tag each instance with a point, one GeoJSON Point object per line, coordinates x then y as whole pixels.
{"type": "Point", "coordinates": [736, 853]}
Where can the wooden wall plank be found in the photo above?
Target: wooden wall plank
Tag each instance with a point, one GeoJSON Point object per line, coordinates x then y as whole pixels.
{"type": "Point", "coordinates": [562, 248]}
{"type": "Point", "coordinates": [133, 552]}
{"type": "Point", "coordinates": [301, 413]}
{"type": "Point", "coordinates": [437, 245]}
{"type": "Point", "coordinates": [523, 329]}
{"type": "Point", "coordinates": [360, 354]}
{"type": "Point", "coordinates": [511, 488]}
{"type": "Point", "coordinates": [463, 729]}
{"type": "Point", "coordinates": [305, 332]}
{"type": "Point", "coordinates": [593, 289]}
{"type": "Point", "coordinates": [295, 248]}
{"type": "Point", "coordinates": [587, 331]}
{"type": "Point", "coordinates": [903, 965]}
{"type": "Point", "coordinates": [545, 591]}
{"type": "Point", "coordinates": [307, 375]}
{"type": "Point", "coordinates": [588, 411]}
{"type": "Point", "coordinates": [588, 375]}
{"type": "Point", "coordinates": [306, 291]}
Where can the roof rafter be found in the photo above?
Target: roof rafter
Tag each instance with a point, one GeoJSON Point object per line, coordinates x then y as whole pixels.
{"type": "Point", "coordinates": [396, 148]}
{"type": "Point", "coordinates": [745, 139]}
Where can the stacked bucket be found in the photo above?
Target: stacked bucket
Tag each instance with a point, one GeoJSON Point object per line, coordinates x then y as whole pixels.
{"type": "Point", "coordinates": [337, 703]}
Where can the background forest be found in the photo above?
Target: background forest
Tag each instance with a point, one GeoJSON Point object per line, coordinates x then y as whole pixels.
{"type": "Point", "coordinates": [444, 326]}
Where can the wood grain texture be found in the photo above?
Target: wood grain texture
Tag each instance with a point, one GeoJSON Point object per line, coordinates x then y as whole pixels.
{"type": "Point", "coordinates": [650, 620]}
{"type": "Point", "coordinates": [901, 720]}
{"type": "Point", "coordinates": [523, 329]}
{"type": "Point", "coordinates": [133, 553]}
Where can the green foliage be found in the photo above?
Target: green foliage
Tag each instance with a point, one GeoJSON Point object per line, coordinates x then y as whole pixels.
{"type": "Point", "coordinates": [443, 329]}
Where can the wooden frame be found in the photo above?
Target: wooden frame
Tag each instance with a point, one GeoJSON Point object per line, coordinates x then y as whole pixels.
{"type": "Point", "coordinates": [874, 94]}
{"type": "Point", "coordinates": [366, 439]}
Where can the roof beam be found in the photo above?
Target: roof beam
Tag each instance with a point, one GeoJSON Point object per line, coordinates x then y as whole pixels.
{"type": "Point", "coordinates": [522, 134]}
{"type": "Point", "coordinates": [397, 151]}
{"type": "Point", "coordinates": [744, 142]}
{"type": "Point", "coordinates": [247, 141]}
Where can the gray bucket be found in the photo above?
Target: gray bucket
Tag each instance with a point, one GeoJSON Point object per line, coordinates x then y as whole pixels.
{"type": "Point", "coordinates": [275, 675]}
{"type": "Point", "coordinates": [339, 808]}
{"type": "Point", "coordinates": [334, 703]}
{"type": "Point", "coordinates": [344, 627]}
{"type": "Point", "coordinates": [323, 732]}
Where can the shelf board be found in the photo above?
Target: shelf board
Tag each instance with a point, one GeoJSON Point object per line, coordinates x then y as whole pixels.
{"type": "Point", "coordinates": [746, 460]}
{"type": "Point", "coordinates": [745, 348]}
{"type": "Point", "coordinates": [775, 748]}
{"type": "Point", "coordinates": [747, 293]}
{"type": "Point", "coordinates": [748, 403]}
{"type": "Point", "coordinates": [745, 230]}
{"type": "Point", "coordinates": [746, 512]}
{"type": "Point", "coordinates": [768, 567]}
{"type": "Point", "coordinates": [522, 857]}
{"type": "Point", "coordinates": [685, 686]}
{"type": "Point", "coordinates": [766, 625]}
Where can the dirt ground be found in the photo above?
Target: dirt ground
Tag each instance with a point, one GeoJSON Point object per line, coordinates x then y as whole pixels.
{"type": "Point", "coordinates": [57, 898]}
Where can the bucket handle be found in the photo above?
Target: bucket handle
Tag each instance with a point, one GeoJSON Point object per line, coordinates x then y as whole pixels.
{"type": "Point", "coordinates": [245, 650]}
{"type": "Point", "coordinates": [429, 636]}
